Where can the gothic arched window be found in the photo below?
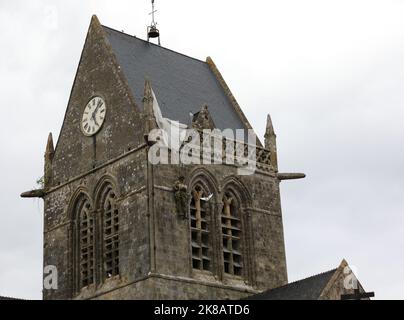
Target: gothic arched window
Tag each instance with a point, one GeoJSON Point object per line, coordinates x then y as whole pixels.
{"type": "Point", "coordinates": [110, 221]}
{"type": "Point", "coordinates": [232, 235]}
{"type": "Point", "coordinates": [200, 231]}
{"type": "Point", "coordinates": [86, 242]}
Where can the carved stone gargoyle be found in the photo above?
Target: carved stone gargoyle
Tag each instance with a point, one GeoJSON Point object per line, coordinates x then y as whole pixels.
{"type": "Point", "coordinates": [181, 198]}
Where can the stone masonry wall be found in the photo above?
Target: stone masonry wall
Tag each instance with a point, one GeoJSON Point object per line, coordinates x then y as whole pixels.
{"type": "Point", "coordinates": [98, 75]}
{"type": "Point", "coordinates": [130, 175]}
{"type": "Point", "coordinates": [265, 262]}
{"type": "Point", "coordinates": [81, 162]}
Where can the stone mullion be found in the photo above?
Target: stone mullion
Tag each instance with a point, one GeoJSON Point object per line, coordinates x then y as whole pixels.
{"type": "Point", "coordinates": [115, 241]}
{"type": "Point", "coordinates": [199, 242]}
{"type": "Point", "coordinates": [98, 246]}
{"type": "Point", "coordinates": [230, 244]}
{"type": "Point", "coordinates": [208, 234]}
{"type": "Point", "coordinates": [84, 247]}
{"type": "Point", "coordinates": [89, 247]}
{"type": "Point", "coordinates": [245, 258]}
{"type": "Point", "coordinates": [108, 239]}
{"type": "Point", "coordinates": [192, 231]}
{"type": "Point", "coordinates": [249, 246]}
{"type": "Point", "coordinates": [81, 247]}
{"type": "Point", "coordinates": [213, 239]}
{"type": "Point", "coordinates": [227, 214]}
{"type": "Point", "coordinates": [219, 252]}
{"type": "Point", "coordinates": [76, 254]}
{"type": "Point", "coordinates": [198, 226]}
{"type": "Point", "coordinates": [92, 234]}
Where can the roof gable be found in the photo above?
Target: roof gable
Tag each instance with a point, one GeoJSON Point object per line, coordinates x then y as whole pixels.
{"type": "Point", "coordinates": [98, 74]}
{"type": "Point", "coordinates": [329, 285]}
{"type": "Point", "coordinates": [306, 289]}
{"type": "Point", "coordinates": [182, 84]}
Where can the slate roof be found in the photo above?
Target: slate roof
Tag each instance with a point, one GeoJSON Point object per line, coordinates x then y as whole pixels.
{"type": "Point", "coordinates": [7, 298]}
{"type": "Point", "coordinates": [306, 289]}
{"type": "Point", "coordinates": [182, 84]}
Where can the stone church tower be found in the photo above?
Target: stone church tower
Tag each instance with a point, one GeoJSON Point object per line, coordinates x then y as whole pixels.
{"type": "Point", "coordinates": [111, 218]}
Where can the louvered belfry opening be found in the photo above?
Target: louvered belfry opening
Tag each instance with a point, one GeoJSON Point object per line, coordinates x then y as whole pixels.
{"type": "Point", "coordinates": [232, 235]}
{"type": "Point", "coordinates": [111, 233]}
{"type": "Point", "coordinates": [86, 242]}
{"type": "Point", "coordinates": [200, 230]}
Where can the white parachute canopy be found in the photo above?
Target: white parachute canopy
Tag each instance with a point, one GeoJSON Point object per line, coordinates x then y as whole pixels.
{"type": "Point", "coordinates": [174, 133]}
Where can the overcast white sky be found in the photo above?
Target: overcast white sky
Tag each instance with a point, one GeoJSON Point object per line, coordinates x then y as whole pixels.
{"type": "Point", "coordinates": [331, 73]}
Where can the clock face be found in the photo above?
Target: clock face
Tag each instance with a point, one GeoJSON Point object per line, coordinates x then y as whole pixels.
{"type": "Point", "coordinates": [93, 116]}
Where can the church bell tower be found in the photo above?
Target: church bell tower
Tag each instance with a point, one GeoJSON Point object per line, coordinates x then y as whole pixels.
{"type": "Point", "coordinates": [118, 226]}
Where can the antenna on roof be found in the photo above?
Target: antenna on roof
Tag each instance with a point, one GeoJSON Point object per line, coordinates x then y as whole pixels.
{"type": "Point", "coordinates": [152, 31]}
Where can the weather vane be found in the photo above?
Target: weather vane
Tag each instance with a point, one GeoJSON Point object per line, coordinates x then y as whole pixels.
{"type": "Point", "coordinates": [152, 31]}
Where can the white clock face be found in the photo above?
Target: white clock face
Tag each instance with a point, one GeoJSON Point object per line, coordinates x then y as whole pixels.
{"type": "Point", "coordinates": [93, 116]}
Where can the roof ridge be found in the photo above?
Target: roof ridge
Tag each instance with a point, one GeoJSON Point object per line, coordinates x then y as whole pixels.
{"type": "Point", "coordinates": [173, 51]}
{"type": "Point", "coordinates": [8, 298]}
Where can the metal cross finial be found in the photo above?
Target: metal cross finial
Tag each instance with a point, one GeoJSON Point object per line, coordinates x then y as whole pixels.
{"type": "Point", "coordinates": [152, 31]}
{"type": "Point", "coordinates": [152, 14]}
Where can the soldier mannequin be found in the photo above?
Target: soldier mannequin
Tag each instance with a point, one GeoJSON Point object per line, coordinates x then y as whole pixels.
{"type": "Point", "coordinates": [181, 197]}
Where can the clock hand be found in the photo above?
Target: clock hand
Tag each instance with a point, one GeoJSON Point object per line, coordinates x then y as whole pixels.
{"type": "Point", "coordinates": [99, 105]}
{"type": "Point", "coordinates": [94, 118]}
{"type": "Point", "coordinates": [95, 111]}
